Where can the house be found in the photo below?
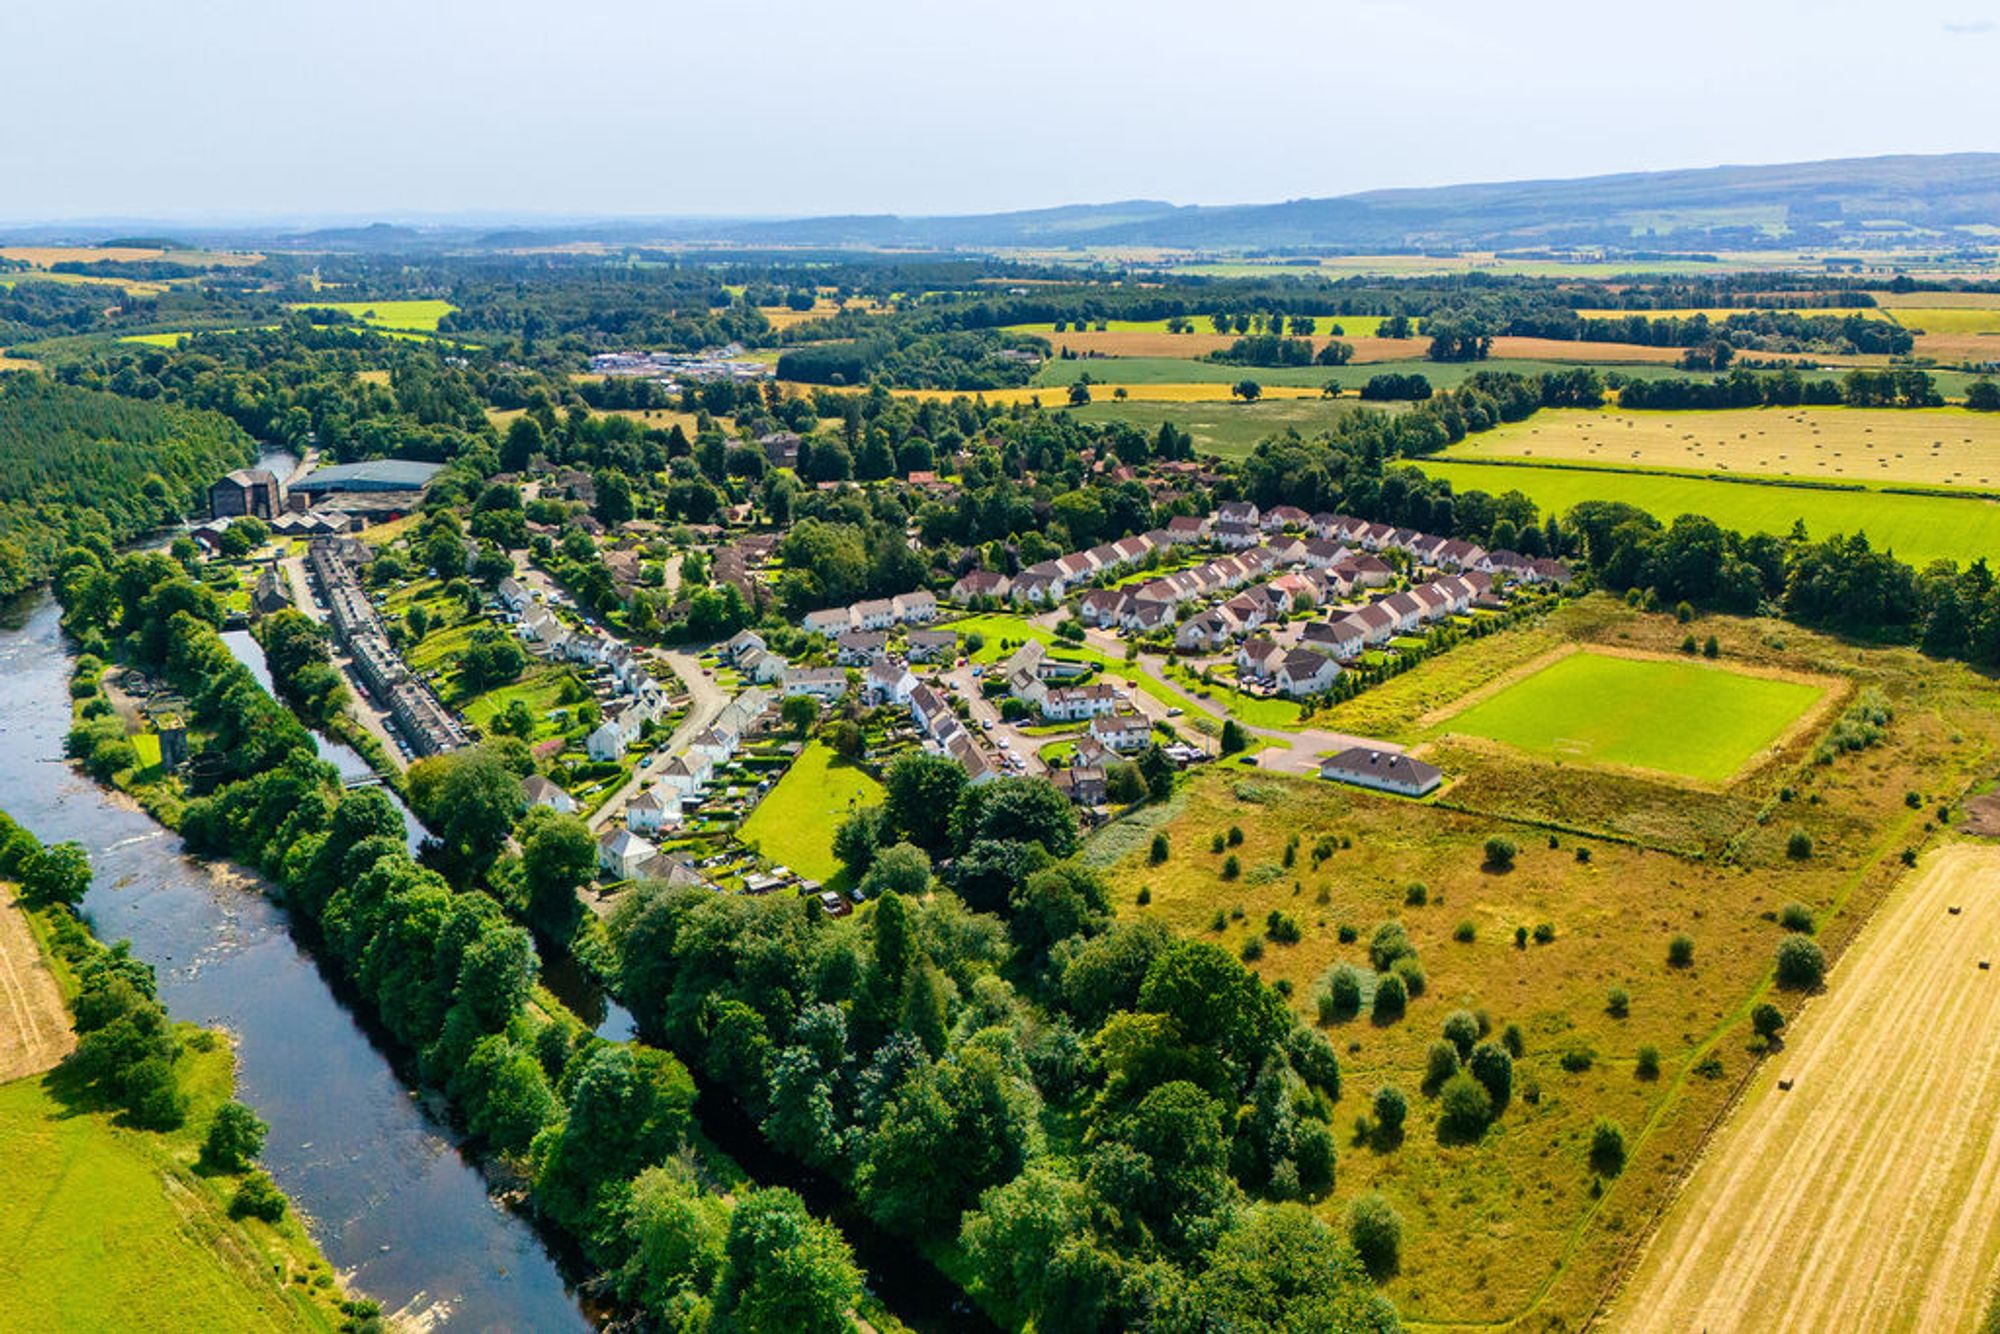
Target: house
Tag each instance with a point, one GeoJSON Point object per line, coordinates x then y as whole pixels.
{"type": "Point", "coordinates": [1302, 672]}
{"type": "Point", "coordinates": [1040, 583]}
{"type": "Point", "coordinates": [1323, 525]}
{"type": "Point", "coordinates": [823, 683]}
{"type": "Point", "coordinates": [652, 810]}
{"type": "Point", "coordinates": [888, 683]}
{"type": "Point", "coordinates": [1102, 607]}
{"type": "Point", "coordinates": [830, 622]}
{"type": "Point", "coordinates": [1123, 730]}
{"type": "Point", "coordinates": [1236, 511]}
{"type": "Point", "coordinates": [875, 614]}
{"type": "Point", "coordinates": [1287, 551]}
{"type": "Point", "coordinates": [512, 595]}
{"type": "Point", "coordinates": [931, 645]}
{"type": "Point", "coordinates": [1081, 783]}
{"type": "Point", "coordinates": [1322, 553]}
{"type": "Point", "coordinates": [858, 648]}
{"type": "Point", "coordinates": [1070, 703]}
{"type": "Point", "coordinates": [1405, 610]}
{"type": "Point", "coordinates": [1366, 572]}
{"type": "Point", "coordinates": [781, 448]}
{"type": "Point", "coordinates": [1295, 592]}
{"type": "Point", "coordinates": [1248, 610]}
{"type": "Point", "coordinates": [979, 584]}
{"type": "Point", "coordinates": [1280, 517]}
{"type": "Point", "coordinates": [1259, 657]}
{"type": "Point", "coordinates": [761, 666]}
{"type": "Point", "coordinates": [1132, 551]}
{"type": "Point", "coordinates": [1383, 770]}
{"type": "Point", "coordinates": [1233, 536]}
{"type": "Point", "coordinates": [918, 608]}
{"type": "Point", "coordinates": [1543, 570]}
{"type": "Point", "coordinates": [1183, 529]}
{"type": "Point", "coordinates": [687, 774]}
{"type": "Point", "coordinates": [1204, 633]}
{"type": "Point", "coordinates": [1144, 615]}
{"type": "Point", "coordinates": [741, 643]}
{"type": "Point", "coordinates": [608, 742]}
{"type": "Point", "coordinates": [928, 708]}
{"type": "Point", "coordinates": [1377, 624]}
{"type": "Point", "coordinates": [620, 853]}
{"type": "Point", "coordinates": [539, 791]}
{"type": "Point", "coordinates": [1342, 638]}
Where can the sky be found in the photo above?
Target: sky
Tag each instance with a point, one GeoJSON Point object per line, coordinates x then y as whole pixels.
{"type": "Point", "coordinates": [398, 109]}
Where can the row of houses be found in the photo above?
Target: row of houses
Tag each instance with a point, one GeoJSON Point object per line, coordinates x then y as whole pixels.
{"type": "Point", "coordinates": [1294, 591]}
{"type": "Point", "coordinates": [1399, 613]}
{"type": "Point", "coordinates": [945, 733]}
{"type": "Point", "coordinates": [636, 697]}
{"type": "Point", "coordinates": [918, 608]}
{"type": "Point", "coordinates": [419, 716]}
{"type": "Point", "coordinates": [681, 780]}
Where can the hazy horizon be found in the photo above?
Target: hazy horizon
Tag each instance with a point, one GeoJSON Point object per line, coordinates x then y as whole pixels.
{"type": "Point", "coordinates": [259, 114]}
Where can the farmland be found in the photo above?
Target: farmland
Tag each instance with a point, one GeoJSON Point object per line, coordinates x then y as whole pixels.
{"type": "Point", "coordinates": [1942, 447]}
{"type": "Point", "coordinates": [1919, 529]}
{"type": "Point", "coordinates": [794, 823]}
{"type": "Point", "coordinates": [1515, 1225]}
{"type": "Point", "coordinates": [409, 316]}
{"type": "Point", "coordinates": [1677, 717]}
{"type": "Point", "coordinates": [34, 1025]}
{"type": "Point", "coordinates": [1169, 370]}
{"type": "Point", "coordinates": [1862, 1197]}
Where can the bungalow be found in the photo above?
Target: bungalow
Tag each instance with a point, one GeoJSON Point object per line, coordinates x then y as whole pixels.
{"type": "Point", "coordinates": [1236, 511]}
{"type": "Point", "coordinates": [928, 645]}
{"type": "Point", "coordinates": [1259, 657]}
{"type": "Point", "coordinates": [652, 810]}
{"type": "Point", "coordinates": [1543, 570]}
{"type": "Point", "coordinates": [1183, 528]}
{"type": "Point", "coordinates": [1233, 536]}
{"type": "Point", "coordinates": [875, 614]}
{"type": "Point", "coordinates": [829, 622]}
{"type": "Point", "coordinates": [888, 683]}
{"type": "Point", "coordinates": [918, 608]}
{"type": "Point", "coordinates": [823, 683]}
{"type": "Point", "coordinates": [620, 853]}
{"type": "Point", "coordinates": [1124, 730]}
{"type": "Point", "coordinates": [979, 584]}
{"type": "Point", "coordinates": [1385, 771]}
{"type": "Point", "coordinates": [1206, 632]}
{"type": "Point", "coordinates": [1280, 517]}
{"type": "Point", "coordinates": [1302, 672]}
{"type": "Point", "coordinates": [858, 648]}
{"type": "Point", "coordinates": [539, 791]}
{"type": "Point", "coordinates": [1070, 703]}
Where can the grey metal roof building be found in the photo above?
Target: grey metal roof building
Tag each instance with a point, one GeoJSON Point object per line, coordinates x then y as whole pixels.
{"type": "Point", "coordinates": [377, 475]}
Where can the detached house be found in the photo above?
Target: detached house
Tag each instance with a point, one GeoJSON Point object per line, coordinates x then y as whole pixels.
{"type": "Point", "coordinates": [1302, 672]}
{"type": "Point", "coordinates": [1385, 771]}
{"type": "Point", "coordinates": [1124, 730]}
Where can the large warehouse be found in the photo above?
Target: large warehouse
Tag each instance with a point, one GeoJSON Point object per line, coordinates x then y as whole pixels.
{"type": "Point", "coordinates": [362, 478]}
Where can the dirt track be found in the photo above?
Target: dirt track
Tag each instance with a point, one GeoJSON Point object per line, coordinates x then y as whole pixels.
{"type": "Point", "coordinates": [34, 1026]}
{"type": "Point", "coordinates": [1868, 1196]}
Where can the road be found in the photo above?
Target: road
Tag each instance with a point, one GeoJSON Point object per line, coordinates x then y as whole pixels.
{"type": "Point", "coordinates": [359, 705]}
{"type": "Point", "coordinates": [706, 701]}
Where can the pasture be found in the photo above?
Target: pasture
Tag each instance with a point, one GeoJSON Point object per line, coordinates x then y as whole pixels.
{"type": "Point", "coordinates": [1862, 1197]}
{"type": "Point", "coordinates": [1918, 528]}
{"type": "Point", "coordinates": [1933, 447]}
{"type": "Point", "coordinates": [1686, 718]}
{"type": "Point", "coordinates": [794, 823]}
{"type": "Point", "coordinates": [408, 316]}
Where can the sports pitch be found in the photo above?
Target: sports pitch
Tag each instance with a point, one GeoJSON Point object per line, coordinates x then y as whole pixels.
{"type": "Point", "coordinates": [1686, 718]}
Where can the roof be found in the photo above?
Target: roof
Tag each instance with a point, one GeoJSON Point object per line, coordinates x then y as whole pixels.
{"type": "Point", "coordinates": [379, 475]}
{"type": "Point", "coordinates": [250, 477]}
{"type": "Point", "coordinates": [1382, 766]}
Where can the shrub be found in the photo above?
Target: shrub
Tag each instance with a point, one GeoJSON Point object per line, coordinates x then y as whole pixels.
{"type": "Point", "coordinates": [1160, 849]}
{"type": "Point", "coordinates": [1801, 964]}
{"type": "Point", "coordinates": [1680, 952]}
{"type": "Point", "coordinates": [1513, 1040]}
{"type": "Point", "coordinates": [1391, 998]}
{"type": "Point", "coordinates": [1340, 993]}
{"type": "Point", "coordinates": [1520, 937]}
{"type": "Point", "coordinates": [1389, 943]}
{"type": "Point", "coordinates": [1252, 950]}
{"type": "Point", "coordinates": [1607, 1147]}
{"type": "Point", "coordinates": [1391, 1108]}
{"type": "Point", "coordinates": [1348, 933]}
{"type": "Point", "coordinates": [1798, 846]}
{"type": "Point", "coordinates": [258, 1197]}
{"type": "Point", "coordinates": [1711, 647]}
{"type": "Point", "coordinates": [1578, 1059]}
{"type": "Point", "coordinates": [1461, 1030]}
{"type": "Point", "coordinates": [1283, 929]}
{"type": "Point", "coordinates": [1231, 867]}
{"type": "Point", "coordinates": [1417, 895]}
{"type": "Point", "coordinates": [1215, 844]}
{"type": "Point", "coordinates": [1544, 932]}
{"type": "Point", "coordinates": [1500, 854]}
{"type": "Point", "coordinates": [1465, 932]}
{"type": "Point", "coordinates": [1582, 853]}
{"type": "Point", "coordinates": [1440, 1064]}
{"type": "Point", "coordinates": [1377, 1235]}
{"type": "Point", "coordinates": [1797, 917]}
{"type": "Point", "coordinates": [1648, 1065]}
{"type": "Point", "coordinates": [1219, 922]}
{"type": "Point", "coordinates": [1236, 836]}
{"type": "Point", "coordinates": [1767, 1019]}
{"type": "Point", "coordinates": [1494, 1069]}
{"type": "Point", "coordinates": [1410, 971]}
{"type": "Point", "coordinates": [1689, 646]}
{"type": "Point", "coordinates": [1913, 799]}
{"type": "Point", "coordinates": [1145, 895]}
{"type": "Point", "coordinates": [1465, 1108]}
{"type": "Point", "coordinates": [1618, 1003]}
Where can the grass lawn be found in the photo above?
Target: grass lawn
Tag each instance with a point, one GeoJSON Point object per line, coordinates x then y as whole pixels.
{"type": "Point", "coordinates": [417, 316]}
{"type": "Point", "coordinates": [794, 823]}
{"type": "Point", "coordinates": [1931, 447]}
{"type": "Point", "coordinates": [1689, 718]}
{"type": "Point", "coordinates": [103, 1227]}
{"type": "Point", "coordinates": [540, 688]}
{"type": "Point", "coordinates": [1265, 711]}
{"type": "Point", "coordinates": [996, 626]}
{"type": "Point", "coordinates": [1918, 529]}
{"type": "Point", "coordinates": [1228, 429]}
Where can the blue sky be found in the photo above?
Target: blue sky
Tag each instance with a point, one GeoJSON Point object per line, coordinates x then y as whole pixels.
{"type": "Point", "coordinates": [294, 108]}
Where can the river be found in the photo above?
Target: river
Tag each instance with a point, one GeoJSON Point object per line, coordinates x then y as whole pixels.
{"type": "Point", "coordinates": [393, 1202]}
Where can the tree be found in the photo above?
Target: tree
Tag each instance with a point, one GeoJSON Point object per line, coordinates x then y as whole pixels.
{"type": "Point", "coordinates": [56, 873]}
{"type": "Point", "coordinates": [1464, 1106]}
{"type": "Point", "coordinates": [1157, 770]}
{"type": "Point", "coordinates": [784, 1269]}
{"type": "Point", "coordinates": [1494, 1069]}
{"type": "Point", "coordinates": [899, 869]}
{"type": "Point", "coordinates": [676, 1232]}
{"type": "Point", "coordinates": [491, 658]}
{"type": "Point", "coordinates": [1278, 1268]}
{"type": "Point", "coordinates": [1031, 1241]}
{"type": "Point", "coordinates": [558, 855]}
{"type": "Point", "coordinates": [1607, 1147]}
{"type": "Point", "coordinates": [1247, 390]}
{"type": "Point", "coordinates": [1767, 1020]}
{"type": "Point", "coordinates": [1500, 854]}
{"type": "Point", "coordinates": [1234, 738]}
{"type": "Point", "coordinates": [799, 713]}
{"type": "Point", "coordinates": [1079, 394]}
{"type": "Point", "coordinates": [1159, 851]}
{"type": "Point", "coordinates": [235, 1137]}
{"type": "Point", "coordinates": [1335, 353]}
{"type": "Point", "coordinates": [1801, 964]}
{"type": "Point", "coordinates": [1377, 1234]}
{"type": "Point", "coordinates": [1461, 1029]}
{"type": "Point", "coordinates": [1680, 952]}
{"type": "Point", "coordinates": [468, 799]}
{"type": "Point", "coordinates": [1015, 810]}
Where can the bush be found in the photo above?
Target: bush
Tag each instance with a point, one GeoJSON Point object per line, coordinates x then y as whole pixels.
{"type": "Point", "coordinates": [1391, 1109]}
{"type": "Point", "coordinates": [1494, 1069]}
{"type": "Point", "coordinates": [1520, 937]}
{"type": "Point", "coordinates": [1648, 1065]}
{"type": "Point", "coordinates": [1440, 1064]}
{"type": "Point", "coordinates": [1711, 647]}
{"type": "Point", "coordinates": [1461, 1030]}
{"type": "Point", "coordinates": [1544, 932]}
{"type": "Point", "coordinates": [258, 1197]}
{"type": "Point", "coordinates": [1797, 917]}
{"type": "Point", "coordinates": [1410, 970]}
{"type": "Point", "coordinates": [1578, 1059]}
{"type": "Point", "coordinates": [1767, 1019]}
{"type": "Point", "coordinates": [1280, 928]}
{"type": "Point", "coordinates": [1513, 1040]}
{"type": "Point", "coordinates": [1231, 867]}
{"type": "Point", "coordinates": [1618, 1003]}
{"type": "Point", "coordinates": [1607, 1147]}
{"type": "Point", "coordinates": [1340, 994]}
{"type": "Point", "coordinates": [1160, 849]}
{"type": "Point", "coordinates": [1417, 895]}
{"type": "Point", "coordinates": [1680, 952]}
{"type": "Point", "coordinates": [1582, 853]}
{"type": "Point", "coordinates": [1389, 943]}
{"type": "Point", "coordinates": [1236, 836]}
{"type": "Point", "coordinates": [1465, 1108]}
{"type": "Point", "coordinates": [1391, 998]}
{"type": "Point", "coordinates": [1348, 933]}
{"type": "Point", "coordinates": [1145, 895]}
{"type": "Point", "coordinates": [1377, 1235]}
{"type": "Point", "coordinates": [1801, 964]}
{"type": "Point", "coordinates": [1799, 845]}
{"type": "Point", "coordinates": [1465, 932]}
{"type": "Point", "coordinates": [1215, 844]}
{"type": "Point", "coordinates": [1500, 854]}
{"type": "Point", "coordinates": [1252, 950]}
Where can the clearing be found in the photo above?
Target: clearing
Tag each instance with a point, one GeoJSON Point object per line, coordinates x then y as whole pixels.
{"type": "Point", "coordinates": [1671, 716]}
{"type": "Point", "coordinates": [1931, 447]}
{"type": "Point", "coordinates": [794, 823]}
{"type": "Point", "coordinates": [1865, 1196]}
{"type": "Point", "coordinates": [34, 1023]}
{"type": "Point", "coordinates": [1917, 528]}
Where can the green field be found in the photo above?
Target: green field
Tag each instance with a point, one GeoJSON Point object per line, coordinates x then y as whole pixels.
{"type": "Point", "coordinates": [1685, 718]}
{"type": "Point", "coordinates": [417, 316]}
{"type": "Point", "coordinates": [1919, 529]}
{"type": "Point", "coordinates": [1227, 429]}
{"type": "Point", "coordinates": [1187, 370]}
{"type": "Point", "coordinates": [794, 823]}
{"type": "Point", "coordinates": [106, 1228]}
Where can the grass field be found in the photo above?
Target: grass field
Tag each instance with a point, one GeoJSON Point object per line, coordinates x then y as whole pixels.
{"type": "Point", "coordinates": [1864, 1197]}
{"type": "Point", "coordinates": [1919, 529]}
{"type": "Point", "coordinates": [1135, 371]}
{"type": "Point", "coordinates": [413, 316]}
{"type": "Point", "coordinates": [1516, 1230]}
{"type": "Point", "coordinates": [794, 823]}
{"type": "Point", "coordinates": [102, 1227]}
{"type": "Point", "coordinates": [1935, 447]}
{"type": "Point", "coordinates": [1686, 718]}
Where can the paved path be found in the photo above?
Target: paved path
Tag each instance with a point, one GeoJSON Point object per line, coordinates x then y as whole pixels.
{"type": "Point", "coordinates": [706, 701]}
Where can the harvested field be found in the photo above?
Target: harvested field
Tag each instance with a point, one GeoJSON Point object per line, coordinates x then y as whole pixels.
{"type": "Point", "coordinates": [1884, 446]}
{"type": "Point", "coordinates": [1865, 1196]}
{"type": "Point", "coordinates": [34, 1025]}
